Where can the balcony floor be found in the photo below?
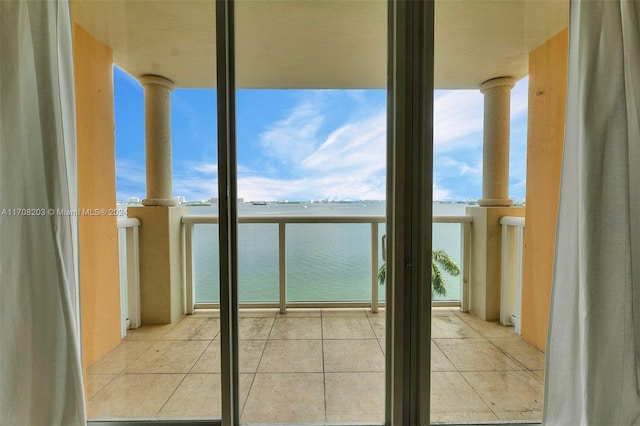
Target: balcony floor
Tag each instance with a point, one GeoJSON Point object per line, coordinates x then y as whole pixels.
{"type": "Point", "coordinates": [314, 366]}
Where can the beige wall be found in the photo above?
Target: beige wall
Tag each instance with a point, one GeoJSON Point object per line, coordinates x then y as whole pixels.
{"type": "Point", "coordinates": [547, 97]}
{"type": "Point", "coordinates": [99, 275]}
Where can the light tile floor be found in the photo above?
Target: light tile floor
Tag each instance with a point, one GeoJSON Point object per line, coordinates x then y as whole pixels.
{"type": "Point", "coordinates": [314, 366]}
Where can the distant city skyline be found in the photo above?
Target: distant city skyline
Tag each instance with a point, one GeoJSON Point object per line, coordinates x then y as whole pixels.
{"type": "Point", "coordinates": [303, 145]}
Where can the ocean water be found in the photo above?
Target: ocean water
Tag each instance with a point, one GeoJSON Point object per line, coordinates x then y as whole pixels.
{"type": "Point", "coordinates": [325, 262]}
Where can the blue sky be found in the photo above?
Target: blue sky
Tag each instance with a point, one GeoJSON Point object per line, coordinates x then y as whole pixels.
{"type": "Point", "coordinates": [309, 144]}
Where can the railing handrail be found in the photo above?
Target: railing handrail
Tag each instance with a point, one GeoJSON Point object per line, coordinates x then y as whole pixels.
{"type": "Point", "coordinates": [129, 222]}
{"type": "Point", "coordinates": [195, 219]}
{"type": "Point", "coordinates": [512, 221]}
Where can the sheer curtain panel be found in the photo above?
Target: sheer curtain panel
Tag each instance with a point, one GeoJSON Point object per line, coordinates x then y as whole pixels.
{"type": "Point", "coordinates": [40, 361]}
{"type": "Point", "coordinates": [594, 334]}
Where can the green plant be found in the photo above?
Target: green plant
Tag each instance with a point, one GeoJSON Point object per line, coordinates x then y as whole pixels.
{"type": "Point", "coordinates": [439, 259]}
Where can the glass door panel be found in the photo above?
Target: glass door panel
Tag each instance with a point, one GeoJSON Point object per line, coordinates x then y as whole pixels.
{"type": "Point", "coordinates": [160, 358]}
{"type": "Point", "coordinates": [489, 156]}
{"type": "Point", "coordinates": [311, 136]}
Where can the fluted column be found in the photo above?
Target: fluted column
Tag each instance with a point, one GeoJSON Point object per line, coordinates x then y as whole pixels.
{"type": "Point", "coordinates": [157, 118]}
{"type": "Point", "coordinates": [495, 157]}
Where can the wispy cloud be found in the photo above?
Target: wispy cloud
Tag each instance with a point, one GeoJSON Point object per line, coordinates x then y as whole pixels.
{"type": "Point", "coordinates": [347, 163]}
{"type": "Point", "coordinates": [440, 193]}
{"type": "Point", "coordinates": [130, 179]}
{"type": "Point", "coordinates": [455, 167]}
{"type": "Point", "coordinates": [331, 187]}
{"type": "Point", "coordinates": [457, 115]}
{"type": "Point", "coordinates": [357, 145]}
{"type": "Point", "coordinates": [205, 168]}
{"type": "Point", "coordinates": [196, 181]}
{"type": "Point", "coordinates": [294, 137]}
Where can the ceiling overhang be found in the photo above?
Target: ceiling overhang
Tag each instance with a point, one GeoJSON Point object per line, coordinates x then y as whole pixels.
{"type": "Point", "coordinates": [318, 43]}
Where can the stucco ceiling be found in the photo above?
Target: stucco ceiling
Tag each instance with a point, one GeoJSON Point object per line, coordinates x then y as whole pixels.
{"type": "Point", "coordinates": [317, 43]}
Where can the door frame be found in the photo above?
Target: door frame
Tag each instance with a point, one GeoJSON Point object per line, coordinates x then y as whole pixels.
{"type": "Point", "coordinates": [409, 211]}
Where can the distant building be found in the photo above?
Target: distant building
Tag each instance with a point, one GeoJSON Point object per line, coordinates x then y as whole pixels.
{"type": "Point", "coordinates": [133, 200]}
{"type": "Point", "coordinates": [180, 199]}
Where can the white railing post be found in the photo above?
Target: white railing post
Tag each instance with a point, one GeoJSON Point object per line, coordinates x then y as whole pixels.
{"type": "Point", "coordinates": [188, 259]}
{"type": "Point", "coordinates": [282, 266]}
{"type": "Point", "coordinates": [122, 263]}
{"type": "Point", "coordinates": [511, 271]}
{"type": "Point", "coordinates": [520, 242]}
{"type": "Point", "coordinates": [505, 317]}
{"type": "Point", "coordinates": [133, 276]}
{"type": "Point", "coordinates": [129, 263]}
{"type": "Point", "coordinates": [374, 267]}
{"type": "Point", "coordinates": [465, 243]}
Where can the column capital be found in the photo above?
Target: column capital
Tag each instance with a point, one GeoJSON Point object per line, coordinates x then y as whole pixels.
{"type": "Point", "coordinates": [148, 79]}
{"type": "Point", "coordinates": [148, 202]}
{"type": "Point", "coordinates": [495, 202]}
{"type": "Point", "coordinates": [497, 82]}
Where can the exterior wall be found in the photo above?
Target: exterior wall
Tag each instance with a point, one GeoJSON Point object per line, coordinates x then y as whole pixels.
{"type": "Point", "coordinates": [486, 251]}
{"type": "Point", "coordinates": [98, 238]}
{"type": "Point", "coordinates": [547, 98]}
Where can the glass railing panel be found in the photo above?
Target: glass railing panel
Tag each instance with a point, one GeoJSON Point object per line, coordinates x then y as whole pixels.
{"type": "Point", "coordinates": [446, 236]}
{"type": "Point", "coordinates": [206, 269]}
{"type": "Point", "coordinates": [329, 262]}
{"type": "Point", "coordinates": [258, 262]}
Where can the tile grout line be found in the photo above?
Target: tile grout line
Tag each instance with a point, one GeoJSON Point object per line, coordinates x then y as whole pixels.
{"type": "Point", "coordinates": [324, 375]}
{"type": "Point", "coordinates": [457, 370]}
{"type": "Point", "coordinates": [185, 374]}
{"type": "Point", "coordinates": [474, 390]}
{"type": "Point", "coordinates": [384, 355]}
{"type": "Point", "coordinates": [266, 342]}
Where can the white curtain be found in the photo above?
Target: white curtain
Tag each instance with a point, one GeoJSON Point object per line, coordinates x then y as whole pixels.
{"type": "Point", "coordinates": [40, 362]}
{"type": "Point", "coordinates": [594, 330]}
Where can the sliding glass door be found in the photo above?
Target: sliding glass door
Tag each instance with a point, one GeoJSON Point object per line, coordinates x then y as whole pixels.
{"type": "Point", "coordinates": [284, 286]}
{"type": "Point", "coordinates": [311, 204]}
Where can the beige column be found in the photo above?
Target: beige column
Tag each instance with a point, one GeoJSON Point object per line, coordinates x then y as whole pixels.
{"type": "Point", "coordinates": [161, 286]}
{"type": "Point", "coordinates": [157, 117]}
{"type": "Point", "coordinates": [495, 160]}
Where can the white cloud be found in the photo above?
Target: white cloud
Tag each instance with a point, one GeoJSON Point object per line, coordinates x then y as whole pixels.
{"type": "Point", "coordinates": [195, 181]}
{"type": "Point", "coordinates": [440, 193]}
{"type": "Point", "coordinates": [130, 172]}
{"type": "Point", "coordinates": [451, 166]}
{"type": "Point", "coordinates": [206, 168]}
{"type": "Point", "coordinates": [332, 187]}
{"type": "Point", "coordinates": [457, 115]}
{"type": "Point", "coordinates": [293, 138]}
{"type": "Point", "coordinates": [347, 164]}
{"type": "Point", "coordinates": [355, 146]}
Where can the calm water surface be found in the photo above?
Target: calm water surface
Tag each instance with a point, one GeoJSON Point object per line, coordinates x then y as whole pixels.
{"type": "Point", "coordinates": [325, 262]}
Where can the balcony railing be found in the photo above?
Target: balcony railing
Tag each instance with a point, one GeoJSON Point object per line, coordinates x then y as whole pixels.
{"type": "Point", "coordinates": [511, 264]}
{"type": "Point", "coordinates": [282, 222]}
{"type": "Point", "coordinates": [511, 273]}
